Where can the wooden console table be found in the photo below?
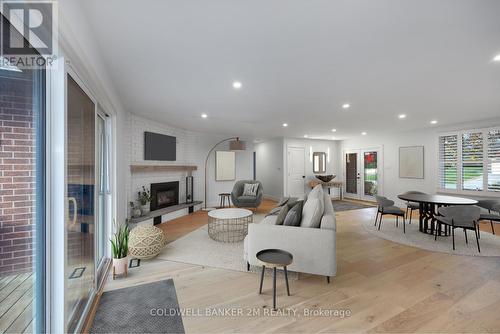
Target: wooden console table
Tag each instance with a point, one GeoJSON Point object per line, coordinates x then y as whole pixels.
{"type": "Point", "coordinates": [332, 184]}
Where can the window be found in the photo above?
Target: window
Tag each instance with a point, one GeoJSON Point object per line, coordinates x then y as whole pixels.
{"type": "Point", "coordinates": [470, 161]}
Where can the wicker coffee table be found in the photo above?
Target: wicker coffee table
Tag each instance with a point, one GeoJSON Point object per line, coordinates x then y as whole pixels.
{"type": "Point", "coordinates": [229, 225]}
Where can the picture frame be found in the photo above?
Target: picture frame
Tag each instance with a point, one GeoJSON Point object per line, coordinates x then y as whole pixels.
{"type": "Point", "coordinates": [411, 162]}
{"type": "Point", "coordinates": [225, 166]}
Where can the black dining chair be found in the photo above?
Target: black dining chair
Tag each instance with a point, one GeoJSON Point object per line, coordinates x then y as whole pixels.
{"type": "Point", "coordinates": [410, 206]}
{"type": "Point", "coordinates": [464, 217]}
{"type": "Point", "coordinates": [387, 207]}
{"type": "Point", "coordinates": [490, 205]}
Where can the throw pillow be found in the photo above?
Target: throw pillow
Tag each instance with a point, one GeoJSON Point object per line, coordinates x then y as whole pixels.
{"type": "Point", "coordinates": [291, 202]}
{"type": "Point", "coordinates": [283, 201]}
{"type": "Point", "coordinates": [294, 216]}
{"type": "Point", "coordinates": [250, 189]}
{"type": "Point", "coordinates": [312, 213]}
{"type": "Point", "coordinates": [282, 215]}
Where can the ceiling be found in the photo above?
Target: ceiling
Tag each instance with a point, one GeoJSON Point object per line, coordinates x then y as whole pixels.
{"type": "Point", "coordinates": [299, 61]}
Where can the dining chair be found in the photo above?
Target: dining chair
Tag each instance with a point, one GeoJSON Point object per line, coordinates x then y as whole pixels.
{"type": "Point", "coordinates": [386, 207]}
{"type": "Point", "coordinates": [490, 205]}
{"type": "Point", "coordinates": [412, 205]}
{"type": "Point", "coordinates": [464, 217]}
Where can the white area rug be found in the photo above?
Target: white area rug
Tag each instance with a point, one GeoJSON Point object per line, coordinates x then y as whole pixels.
{"type": "Point", "coordinates": [489, 243]}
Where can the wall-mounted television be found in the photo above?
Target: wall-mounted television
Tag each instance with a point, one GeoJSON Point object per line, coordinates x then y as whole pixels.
{"type": "Point", "coordinates": [159, 147]}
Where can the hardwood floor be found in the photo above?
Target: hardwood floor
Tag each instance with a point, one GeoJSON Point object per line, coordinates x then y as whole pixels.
{"type": "Point", "coordinates": [380, 286]}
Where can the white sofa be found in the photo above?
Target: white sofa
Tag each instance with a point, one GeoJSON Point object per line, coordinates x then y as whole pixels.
{"type": "Point", "coordinates": [313, 249]}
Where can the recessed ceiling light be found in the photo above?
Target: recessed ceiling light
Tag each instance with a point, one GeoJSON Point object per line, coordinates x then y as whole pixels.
{"type": "Point", "coordinates": [434, 121]}
{"type": "Point", "coordinates": [346, 106]}
{"type": "Point", "coordinates": [363, 133]}
{"type": "Point", "coordinates": [237, 85]}
{"type": "Point", "coordinates": [402, 116]}
{"type": "Point", "coordinates": [204, 115]}
{"type": "Point", "coordinates": [305, 136]}
{"type": "Point", "coordinates": [334, 130]}
{"type": "Point", "coordinates": [497, 58]}
{"type": "Point", "coordinates": [285, 125]}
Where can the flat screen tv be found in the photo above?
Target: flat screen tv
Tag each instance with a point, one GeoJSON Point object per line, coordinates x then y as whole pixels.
{"type": "Point", "coordinates": [159, 147]}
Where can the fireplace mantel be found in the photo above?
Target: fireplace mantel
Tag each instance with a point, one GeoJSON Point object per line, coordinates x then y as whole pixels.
{"type": "Point", "coordinates": [162, 168]}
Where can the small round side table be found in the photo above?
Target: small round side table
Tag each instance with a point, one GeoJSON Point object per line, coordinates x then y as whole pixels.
{"type": "Point", "coordinates": [273, 258]}
{"type": "Point", "coordinates": [223, 198]}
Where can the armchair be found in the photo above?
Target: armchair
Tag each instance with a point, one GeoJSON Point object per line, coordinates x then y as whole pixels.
{"type": "Point", "coordinates": [241, 201]}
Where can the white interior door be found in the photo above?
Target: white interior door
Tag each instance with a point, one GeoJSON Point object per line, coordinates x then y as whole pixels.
{"type": "Point", "coordinates": [296, 171]}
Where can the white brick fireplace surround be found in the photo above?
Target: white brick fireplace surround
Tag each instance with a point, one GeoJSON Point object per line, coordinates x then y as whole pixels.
{"type": "Point", "coordinates": [192, 148]}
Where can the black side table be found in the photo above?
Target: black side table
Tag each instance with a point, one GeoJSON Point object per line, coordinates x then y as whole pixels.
{"type": "Point", "coordinates": [273, 258]}
{"type": "Point", "coordinates": [223, 198]}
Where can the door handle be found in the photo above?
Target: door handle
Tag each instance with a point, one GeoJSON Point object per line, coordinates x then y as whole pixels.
{"type": "Point", "coordinates": [75, 209]}
{"type": "Point", "coordinates": [303, 176]}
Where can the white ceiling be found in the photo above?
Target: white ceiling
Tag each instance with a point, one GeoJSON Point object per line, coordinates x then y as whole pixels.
{"type": "Point", "coordinates": [299, 61]}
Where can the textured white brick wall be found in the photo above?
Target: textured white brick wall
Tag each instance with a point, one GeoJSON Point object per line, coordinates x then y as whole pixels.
{"type": "Point", "coordinates": [192, 148]}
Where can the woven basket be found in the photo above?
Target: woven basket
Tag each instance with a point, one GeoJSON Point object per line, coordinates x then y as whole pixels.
{"type": "Point", "coordinates": [145, 242]}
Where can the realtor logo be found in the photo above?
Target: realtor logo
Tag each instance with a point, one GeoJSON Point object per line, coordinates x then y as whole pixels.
{"type": "Point", "coordinates": [36, 21]}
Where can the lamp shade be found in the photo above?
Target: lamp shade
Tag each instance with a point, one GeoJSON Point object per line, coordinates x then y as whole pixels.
{"type": "Point", "coordinates": [237, 145]}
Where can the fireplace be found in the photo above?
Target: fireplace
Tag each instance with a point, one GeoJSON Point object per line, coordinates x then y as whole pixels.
{"type": "Point", "coordinates": [164, 194]}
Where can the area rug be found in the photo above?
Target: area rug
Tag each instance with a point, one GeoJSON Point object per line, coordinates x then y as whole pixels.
{"type": "Point", "coordinates": [199, 249]}
{"type": "Point", "coordinates": [347, 206]}
{"type": "Point", "coordinates": [489, 243]}
{"type": "Point", "coordinates": [147, 308]}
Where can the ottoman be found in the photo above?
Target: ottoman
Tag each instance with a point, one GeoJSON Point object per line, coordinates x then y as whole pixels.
{"type": "Point", "coordinates": [145, 242]}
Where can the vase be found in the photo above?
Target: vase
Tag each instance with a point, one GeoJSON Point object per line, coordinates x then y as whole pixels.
{"type": "Point", "coordinates": [120, 266]}
{"type": "Point", "coordinates": [145, 209]}
{"type": "Point", "coordinates": [136, 212]}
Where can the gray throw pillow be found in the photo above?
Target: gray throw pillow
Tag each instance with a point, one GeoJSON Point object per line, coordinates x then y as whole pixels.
{"type": "Point", "coordinates": [291, 202]}
{"type": "Point", "coordinates": [281, 215]}
{"type": "Point", "coordinates": [283, 201]}
{"type": "Point", "coordinates": [294, 216]}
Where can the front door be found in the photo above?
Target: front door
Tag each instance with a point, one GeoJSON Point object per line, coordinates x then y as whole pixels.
{"type": "Point", "coordinates": [296, 171]}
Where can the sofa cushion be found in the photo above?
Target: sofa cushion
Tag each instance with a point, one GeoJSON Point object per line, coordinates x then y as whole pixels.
{"type": "Point", "coordinates": [282, 215]}
{"type": "Point", "coordinates": [283, 200]}
{"type": "Point", "coordinates": [250, 189]}
{"type": "Point", "coordinates": [294, 216]}
{"type": "Point", "coordinates": [313, 208]}
{"type": "Point", "coordinates": [246, 199]}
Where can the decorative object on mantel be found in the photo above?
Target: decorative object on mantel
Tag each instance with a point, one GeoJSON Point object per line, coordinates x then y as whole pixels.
{"type": "Point", "coordinates": [411, 162]}
{"type": "Point", "coordinates": [235, 144]}
{"type": "Point", "coordinates": [135, 211]}
{"type": "Point", "coordinates": [331, 184]}
{"type": "Point", "coordinates": [325, 178]}
{"type": "Point", "coordinates": [146, 242]}
{"type": "Point", "coordinates": [144, 198]}
{"type": "Point", "coordinates": [119, 249]}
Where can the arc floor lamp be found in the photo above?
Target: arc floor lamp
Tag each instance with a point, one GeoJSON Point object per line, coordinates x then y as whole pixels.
{"type": "Point", "coordinates": [235, 144]}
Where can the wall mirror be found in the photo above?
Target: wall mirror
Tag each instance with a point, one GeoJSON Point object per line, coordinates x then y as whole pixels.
{"type": "Point", "coordinates": [319, 162]}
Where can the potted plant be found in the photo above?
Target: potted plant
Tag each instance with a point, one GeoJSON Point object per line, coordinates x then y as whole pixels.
{"type": "Point", "coordinates": [119, 248]}
{"type": "Point", "coordinates": [135, 210]}
{"type": "Point", "coordinates": [144, 198]}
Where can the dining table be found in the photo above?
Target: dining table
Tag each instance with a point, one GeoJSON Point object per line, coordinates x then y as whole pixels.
{"type": "Point", "coordinates": [428, 206]}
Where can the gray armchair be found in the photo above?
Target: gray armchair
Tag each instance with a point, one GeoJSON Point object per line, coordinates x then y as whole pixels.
{"type": "Point", "coordinates": [241, 201]}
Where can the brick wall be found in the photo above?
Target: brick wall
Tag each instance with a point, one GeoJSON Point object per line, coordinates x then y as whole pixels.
{"type": "Point", "coordinates": [17, 175]}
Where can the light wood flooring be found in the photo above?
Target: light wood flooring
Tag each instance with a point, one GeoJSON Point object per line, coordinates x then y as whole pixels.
{"type": "Point", "coordinates": [16, 303]}
{"type": "Point", "coordinates": [384, 287]}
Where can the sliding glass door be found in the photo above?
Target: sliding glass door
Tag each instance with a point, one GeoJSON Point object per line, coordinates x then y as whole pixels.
{"type": "Point", "coordinates": [81, 192]}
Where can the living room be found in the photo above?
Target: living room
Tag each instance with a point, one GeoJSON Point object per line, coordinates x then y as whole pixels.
{"type": "Point", "coordinates": [209, 167]}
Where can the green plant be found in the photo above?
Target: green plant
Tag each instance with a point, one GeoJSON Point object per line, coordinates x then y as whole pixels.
{"type": "Point", "coordinates": [144, 196]}
{"type": "Point", "coordinates": [119, 242]}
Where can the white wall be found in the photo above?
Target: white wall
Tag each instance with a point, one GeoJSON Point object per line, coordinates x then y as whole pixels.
{"type": "Point", "coordinates": [192, 149]}
{"type": "Point", "coordinates": [269, 167]}
{"type": "Point", "coordinates": [392, 184]}
{"type": "Point", "coordinates": [332, 167]}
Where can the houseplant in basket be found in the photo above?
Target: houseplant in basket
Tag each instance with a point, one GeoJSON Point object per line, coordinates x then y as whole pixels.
{"type": "Point", "coordinates": [119, 248]}
{"type": "Point", "coordinates": [144, 198]}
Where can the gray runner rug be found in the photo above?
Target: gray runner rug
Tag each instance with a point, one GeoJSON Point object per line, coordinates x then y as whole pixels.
{"type": "Point", "coordinates": [147, 308]}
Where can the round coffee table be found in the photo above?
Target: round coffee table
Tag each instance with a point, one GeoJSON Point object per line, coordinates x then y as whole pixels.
{"type": "Point", "coordinates": [229, 225]}
{"type": "Point", "coordinates": [274, 258]}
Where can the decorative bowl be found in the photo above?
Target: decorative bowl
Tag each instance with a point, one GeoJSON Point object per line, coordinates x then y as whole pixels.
{"type": "Point", "coordinates": [325, 178]}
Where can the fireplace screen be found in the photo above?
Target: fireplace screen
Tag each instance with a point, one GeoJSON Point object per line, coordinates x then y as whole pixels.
{"type": "Point", "coordinates": [164, 198]}
{"type": "Point", "coordinates": [164, 194]}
